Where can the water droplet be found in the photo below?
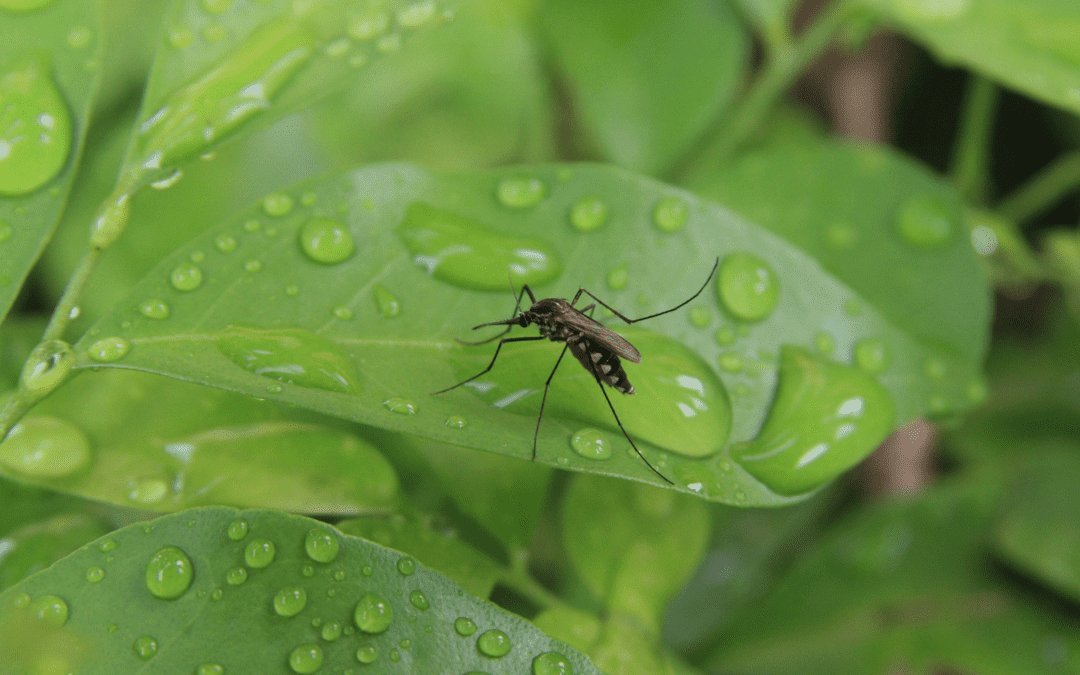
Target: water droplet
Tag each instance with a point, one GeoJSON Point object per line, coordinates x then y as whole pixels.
{"type": "Point", "coordinates": [460, 251]}
{"type": "Point", "coordinates": [588, 214]}
{"type": "Point", "coordinates": [388, 44]}
{"type": "Point", "coordinates": [326, 241]}
{"type": "Point", "coordinates": [5, 231]}
{"type": "Point", "coordinates": [456, 422]}
{"type": "Point", "coordinates": [852, 307]}
{"type": "Point", "coordinates": [45, 447]}
{"type": "Point", "coordinates": [169, 573]}
{"type": "Point", "coordinates": [290, 355]}
{"type": "Point", "coordinates": [671, 213]}
{"type": "Point", "coordinates": [748, 287]}
{"type": "Point", "coordinates": [259, 553]}
{"type": "Point", "coordinates": [237, 529]}
{"type": "Point", "coordinates": [321, 545]}
{"type": "Point", "coordinates": [145, 647]}
{"type": "Point", "coordinates": [373, 614]}
{"type": "Point", "coordinates": [367, 654]}
{"type": "Point", "coordinates": [519, 192]}
{"type": "Point", "coordinates": [732, 362]}
{"type": "Point", "coordinates": [148, 491]}
{"type": "Point", "coordinates": [976, 391]}
{"type": "Point", "coordinates": [253, 266]}
{"type": "Point", "coordinates": [401, 406]}
{"type": "Point", "coordinates": [700, 317]}
{"type": "Point", "coordinates": [306, 659]}
{"type": "Point", "coordinates": [214, 32]}
{"type": "Point", "coordinates": [591, 444]}
{"type": "Point", "coordinates": [108, 545]}
{"type": "Point", "coordinates": [935, 368]}
{"type": "Point", "coordinates": [871, 355]}
{"type": "Point", "coordinates": [236, 576]}
{"type": "Point", "coordinates": [215, 6]}
{"type": "Point", "coordinates": [307, 570]}
{"type": "Point", "coordinates": [331, 631]}
{"type": "Point", "coordinates": [339, 575]}
{"type": "Point", "coordinates": [388, 305]}
{"type": "Point", "coordinates": [841, 236]}
{"type": "Point", "coordinates": [210, 669]}
{"type": "Point", "coordinates": [419, 600]}
{"type": "Point", "coordinates": [21, 600]}
{"type": "Point", "coordinates": [292, 291]}
{"type": "Point", "coordinates": [494, 643]}
{"type": "Point", "coordinates": [277, 204]}
{"type": "Point", "coordinates": [155, 309]}
{"type": "Point", "coordinates": [168, 181]}
{"type": "Point", "coordinates": [343, 313]}
{"type": "Point", "coordinates": [406, 566]}
{"type": "Point", "coordinates": [824, 419]}
{"type": "Point", "coordinates": [252, 225]}
{"type": "Point", "coordinates": [290, 601]}
{"type": "Point", "coordinates": [109, 350]}
{"type": "Point", "coordinates": [180, 36]}
{"type": "Point", "coordinates": [47, 366]}
{"type": "Point", "coordinates": [416, 14]}
{"type": "Point", "coordinates": [825, 343]}
{"type": "Point", "coordinates": [95, 574]}
{"type": "Point", "coordinates": [367, 570]}
{"type": "Point", "coordinates": [395, 656]}
{"type": "Point", "coordinates": [618, 277]}
{"type": "Point", "coordinates": [405, 644]}
{"type": "Point", "coordinates": [79, 37]}
{"type": "Point", "coordinates": [49, 609]}
{"type": "Point", "coordinates": [725, 336]}
{"type": "Point", "coordinates": [927, 222]}
{"type": "Point", "coordinates": [35, 128]}
{"type": "Point", "coordinates": [186, 277]}
{"type": "Point", "coordinates": [552, 663]}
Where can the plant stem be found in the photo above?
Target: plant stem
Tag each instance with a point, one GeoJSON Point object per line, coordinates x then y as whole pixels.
{"type": "Point", "coordinates": [971, 167]}
{"type": "Point", "coordinates": [61, 316]}
{"type": "Point", "coordinates": [1043, 190]}
{"type": "Point", "coordinates": [771, 83]}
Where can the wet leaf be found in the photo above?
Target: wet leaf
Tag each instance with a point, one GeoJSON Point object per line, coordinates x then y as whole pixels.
{"type": "Point", "coordinates": [34, 547]}
{"type": "Point", "coordinates": [49, 63]}
{"type": "Point", "coordinates": [257, 577]}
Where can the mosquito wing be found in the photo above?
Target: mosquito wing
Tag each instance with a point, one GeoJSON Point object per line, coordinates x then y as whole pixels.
{"type": "Point", "coordinates": [597, 332]}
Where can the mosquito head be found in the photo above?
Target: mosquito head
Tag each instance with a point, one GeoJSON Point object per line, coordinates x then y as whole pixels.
{"type": "Point", "coordinates": [546, 311]}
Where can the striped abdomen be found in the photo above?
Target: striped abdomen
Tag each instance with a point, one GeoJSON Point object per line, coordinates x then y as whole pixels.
{"type": "Point", "coordinates": [601, 362]}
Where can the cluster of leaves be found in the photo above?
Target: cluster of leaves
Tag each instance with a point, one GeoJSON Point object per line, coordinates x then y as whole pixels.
{"type": "Point", "coordinates": [215, 296]}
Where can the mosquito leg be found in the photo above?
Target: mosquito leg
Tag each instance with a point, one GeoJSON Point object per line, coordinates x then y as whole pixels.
{"type": "Point", "coordinates": [651, 316]}
{"type": "Point", "coordinates": [509, 324]}
{"type": "Point", "coordinates": [623, 429]}
{"type": "Point", "coordinates": [484, 342]}
{"type": "Point", "coordinates": [543, 401]}
{"type": "Point", "coordinates": [492, 364]}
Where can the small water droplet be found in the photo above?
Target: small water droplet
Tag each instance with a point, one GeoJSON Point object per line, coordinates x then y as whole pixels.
{"type": "Point", "coordinates": [401, 406]}
{"type": "Point", "coordinates": [35, 128]}
{"type": "Point", "coordinates": [732, 362]}
{"type": "Point", "coordinates": [343, 313]}
{"type": "Point", "coordinates": [237, 529]}
{"type": "Point", "coordinates": [700, 317]}
{"type": "Point", "coordinates": [148, 491]}
{"type": "Point", "coordinates": [591, 444]}
{"type": "Point", "coordinates": [671, 213]}
{"type": "Point", "coordinates": [45, 447]}
{"type": "Point", "coordinates": [456, 422]}
{"type": "Point", "coordinates": [748, 287]}
{"type": "Point", "coordinates": [725, 336]}
{"type": "Point", "coordinates": [367, 570]}
{"type": "Point", "coordinates": [290, 601]}
{"type": "Point", "coordinates": [252, 225]}
{"type": "Point", "coordinates": [494, 643]}
{"type": "Point", "coordinates": [210, 669]}
{"type": "Point", "coordinates": [339, 575]}
{"type": "Point", "coordinates": [976, 391]}
{"type": "Point", "coordinates": [368, 26]}
{"type": "Point", "coordinates": [395, 655]}
{"type": "Point", "coordinates": [79, 37]}
{"type": "Point", "coordinates": [367, 654]}
{"type": "Point", "coordinates": [180, 36]}
{"type": "Point", "coordinates": [321, 545]}
{"type": "Point", "coordinates": [373, 614]}
{"type": "Point", "coordinates": [277, 204]}
{"type": "Point", "coordinates": [169, 573]}
{"type": "Point", "coordinates": [292, 291]}
{"type": "Point", "coordinates": [326, 241]}
{"type": "Point", "coordinates": [618, 277]}
{"type": "Point", "coordinates": [935, 368]}
{"type": "Point", "coordinates": [95, 574]}
{"type": "Point", "coordinates": [215, 6]}
{"type": "Point", "coordinates": [48, 364]}
{"type": "Point", "coordinates": [253, 266]}
{"type": "Point", "coordinates": [419, 600]}
{"type": "Point", "coordinates": [927, 222]}
{"type": "Point", "coordinates": [155, 309]}
{"type": "Point", "coordinates": [109, 350]}
{"type": "Point", "coordinates": [259, 553]}
{"type": "Point", "coordinates": [519, 192]}
{"type": "Point", "coordinates": [214, 32]}
{"type": "Point", "coordinates": [588, 214]}
{"type": "Point", "coordinates": [186, 277]}
{"type": "Point", "coordinates": [21, 600]}
{"type": "Point", "coordinates": [416, 14]}
{"type": "Point", "coordinates": [306, 659]}
{"type": "Point", "coordinates": [871, 355]}
{"type": "Point", "coordinates": [406, 566]}
{"type": "Point", "coordinates": [852, 307]}
{"type": "Point", "coordinates": [388, 44]}
{"type": "Point", "coordinates": [108, 545]}
{"type": "Point", "coordinates": [841, 236]}
{"type": "Point", "coordinates": [825, 343]}
{"type": "Point", "coordinates": [552, 663]}
{"type": "Point", "coordinates": [388, 305]}
{"type": "Point", "coordinates": [145, 647]}
{"type": "Point", "coordinates": [236, 576]}
{"type": "Point", "coordinates": [331, 631]}
{"type": "Point", "coordinates": [49, 609]}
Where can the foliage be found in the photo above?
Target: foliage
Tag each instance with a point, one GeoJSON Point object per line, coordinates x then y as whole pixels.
{"type": "Point", "coordinates": [243, 241]}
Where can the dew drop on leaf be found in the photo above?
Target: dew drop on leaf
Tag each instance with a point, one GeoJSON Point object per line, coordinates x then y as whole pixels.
{"type": "Point", "coordinates": [35, 128]}
{"type": "Point", "coordinates": [109, 350]}
{"type": "Point", "coordinates": [321, 545]}
{"type": "Point", "coordinates": [373, 614]}
{"type": "Point", "coordinates": [45, 447]}
{"type": "Point", "coordinates": [186, 277]}
{"type": "Point", "coordinates": [290, 601]}
{"type": "Point", "coordinates": [47, 365]}
{"type": "Point", "coordinates": [210, 669]}
{"type": "Point", "coordinates": [155, 309]}
{"type": "Point", "coordinates": [591, 444]}
{"type": "Point", "coordinates": [259, 553]}
{"type": "Point", "coordinates": [148, 491]}
{"type": "Point", "coordinates": [871, 355]}
{"type": "Point", "coordinates": [95, 574]}
{"type": "Point", "coordinates": [747, 286]}
{"type": "Point", "coordinates": [237, 529]}
{"type": "Point", "coordinates": [367, 654]}
{"type": "Point", "coordinates": [387, 304]}
{"type": "Point", "coordinates": [401, 406]}
{"type": "Point", "coordinates": [290, 355]}
{"type": "Point", "coordinates": [49, 609]}
{"type": "Point", "coordinates": [169, 573]}
{"type": "Point", "coordinates": [236, 576]}
{"type": "Point", "coordinates": [416, 14]}
{"type": "Point", "coordinates": [494, 643]}
{"type": "Point", "coordinates": [671, 213]}
{"type": "Point", "coordinates": [145, 647]}
{"type": "Point", "coordinates": [927, 222]}
{"type": "Point", "coordinates": [306, 659]}
{"type": "Point", "coordinates": [588, 214]}
{"type": "Point", "coordinates": [700, 317]}
{"type": "Point", "coordinates": [456, 422]}
{"type": "Point", "coordinates": [326, 241]}
{"type": "Point", "coordinates": [419, 600]}
{"type": "Point", "coordinates": [618, 277]}
{"type": "Point", "coordinates": [552, 663]}
{"type": "Point", "coordinates": [331, 631]}
{"type": "Point", "coordinates": [464, 627]}
{"type": "Point", "coordinates": [406, 566]}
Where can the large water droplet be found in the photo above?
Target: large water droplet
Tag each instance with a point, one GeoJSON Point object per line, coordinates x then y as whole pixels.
{"type": "Point", "coordinates": [321, 545]}
{"type": "Point", "coordinates": [401, 406]}
{"type": "Point", "coordinates": [464, 626]}
{"type": "Point", "coordinates": [186, 277]}
{"type": "Point", "coordinates": [237, 529]}
{"type": "Point", "coordinates": [671, 213]}
{"type": "Point", "coordinates": [47, 366]}
{"type": "Point", "coordinates": [373, 614]}
{"type": "Point", "coordinates": [236, 576]}
{"type": "Point", "coordinates": [748, 287]}
{"type": "Point", "coordinates": [927, 222]}
{"type": "Point", "coordinates": [306, 659]}
{"type": "Point", "coordinates": [169, 573]}
{"type": "Point", "coordinates": [326, 241]}
{"type": "Point", "coordinates": [460, 251]}
{"type": "Point", "coordinates": [520, 192]}
{"type": "Point", "coordinates": [419, 600]}
{"type": "Point", "coordinates": [388, 305]}
{"type": "Point", "coordinates": [145, 647]}
{"type": "Point", "coordinates": [367, 654]}
{"type": "Point", "coordinates": [155, 309]}
{"type": "Point", "coordinates": [456, 422]}
{"type": "Point", "coordinates": [494, 643]}
{"type": "Point", "coordinates": [291, 355]}
{"type": "Point", "coordinates": [824, 419]}
{"type": "Point", "coordinates": [45, 447]}
{"type": "Point", "coordinates": [591, 444]}
{"type": "Point", "coordinates": [109, 350]}
{"type": "Point", "coordinates": [49, 609]}
{"type": "Point", "coordinates": [290, 601]}
{"type": "Point", "coordinates": [552, 663]}
{"type": "Point", "coordinates": [259, 553]}
{"type": "Point", "coordinates": [588, 214]}
{"type": "Point", "coordinates": [35, 128]}
{"type": "Point", "coordinates": [406, 566]}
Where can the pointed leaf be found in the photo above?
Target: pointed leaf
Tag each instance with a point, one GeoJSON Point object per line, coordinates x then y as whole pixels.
{"type": "Point", "coordinates": [34, 547]}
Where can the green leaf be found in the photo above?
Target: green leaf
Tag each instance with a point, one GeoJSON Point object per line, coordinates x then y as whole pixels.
{"type": "Point", "coordinates": [18, 337]}
{"type": "Point", "coordinates": [633, 545]}
{"type": "Point", "coordinates": [23, 504]}
{"type": "Point", "coordinates": [34, 547]}
{"type": "Point", "coordinates": [772, 18]}
{"type": "Point", "coordinates": [861, 210]}
{"type": "Point", "coordinates": [647, 77]}
{"type": "Point", "coordinates": [143, 441]}
{"type": "Point", "coordinates": [226, 600]}
{"type": "Point", "coordinates": [370, 334]}
{"type": "Point", "coordinates": [1029, 46]}
{"type": "Point", "coordinates": [442, 552]}
{"type": "Point", "coordinates": [903, 585]}
{"type": "Point", "coordinates": [49, 62]}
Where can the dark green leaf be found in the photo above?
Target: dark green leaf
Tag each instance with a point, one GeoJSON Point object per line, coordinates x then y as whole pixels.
{"type": "Point", "coordinates": [223, 600]}
{"type": "Point", "coordinates": [647, 77]}
{"type": "Point", "coordinates": [49, 62]}
{"type": "Point", "coordinates": [34, 547]}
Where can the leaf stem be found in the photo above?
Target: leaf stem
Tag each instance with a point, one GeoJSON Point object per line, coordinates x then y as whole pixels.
{"type": "Point", "coordinates": [970, 166]}
{"type": "Point", "coordinates": [61, 316]}
{"type": "Point", "coordinates": [776, 77]}
{"type": "Point", "coordinates": [1043, 190]}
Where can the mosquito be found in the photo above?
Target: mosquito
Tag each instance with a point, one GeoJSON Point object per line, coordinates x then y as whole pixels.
{"type": "Point", "coordinates": [595, 346]}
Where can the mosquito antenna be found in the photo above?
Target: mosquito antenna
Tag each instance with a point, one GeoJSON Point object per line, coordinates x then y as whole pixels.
{"type": "Point", "coordinates": [513, 292]}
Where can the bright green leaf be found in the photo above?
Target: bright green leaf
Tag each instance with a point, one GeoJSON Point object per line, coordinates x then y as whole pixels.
{"type": "Point", "coordinates": [648, 77]}
{"type": "Point", "coordinates": [1030, 46]}
{"type": "Point", "coordinates": [34, 547]}
{"type": "Point", "coordinates": [251, 599]}
{"type": "Point", "coordinates": [156, 443]}
{"type": "Point", "coordinates": [772, 18]}
{"type": "Point", "coordinates": [49, 62]}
